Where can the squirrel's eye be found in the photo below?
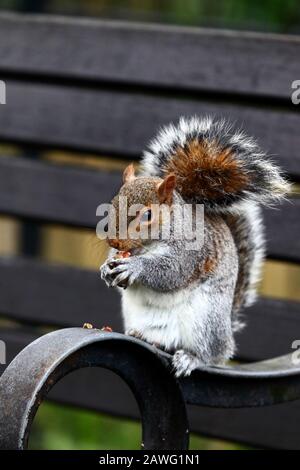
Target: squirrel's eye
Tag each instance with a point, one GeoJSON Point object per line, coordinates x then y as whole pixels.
{"type": "Point", "coordinates": [146, 216]}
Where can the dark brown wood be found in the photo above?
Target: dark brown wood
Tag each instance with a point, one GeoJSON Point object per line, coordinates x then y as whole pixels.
{"type": "Point", "coordinates": [271, 328]}
{"type": "Point", "coordinates": [213, 60]}
{"type": "Point", "coordinates": [116, 122]}
{"type": "Point", "coordinates": [43, 294]}
{"type": "Point", "coordinates": [57, 295]}
{"type": "Point", "coordinates": [274, 427]}
{"type": "Point", "coordinates": [281, 229]}
{"type": "Point", "coordinates": [100, 390]}
{"type": "Point", "coordinates": [52, 193]}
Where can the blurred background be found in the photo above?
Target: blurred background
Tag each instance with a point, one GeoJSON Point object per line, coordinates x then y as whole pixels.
{"type": "Point", "coordinates": [58, 427]}
{"type": "Point", "coordinates": [270, 15]}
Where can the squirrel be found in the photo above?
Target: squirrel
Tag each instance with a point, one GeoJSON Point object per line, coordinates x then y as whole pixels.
{"type": "Point", "coordinates": [188, 301]}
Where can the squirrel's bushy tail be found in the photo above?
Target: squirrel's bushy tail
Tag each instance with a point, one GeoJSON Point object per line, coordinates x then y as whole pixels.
{"type": "Point", "coordinates": [248, 232]}
{"type": "Point", "coordinates": [227, 172]}
{"type": "Point", "coordinates": [214, 165]}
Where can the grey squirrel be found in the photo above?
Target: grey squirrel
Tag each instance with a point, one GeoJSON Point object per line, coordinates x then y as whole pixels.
{"type": "Point", "coordinates": [188, 302]}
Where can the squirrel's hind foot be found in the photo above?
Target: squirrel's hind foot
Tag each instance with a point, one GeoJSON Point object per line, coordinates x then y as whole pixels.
{"type": "Point", "coordinates": [184, 363]}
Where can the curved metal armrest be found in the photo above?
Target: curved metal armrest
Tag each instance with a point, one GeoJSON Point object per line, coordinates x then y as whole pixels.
{"type": "Point", "coordinates": [161, 398]}
{"type": "Point", "coordinates": [37, 368]}
{"type": "Point", "coordinates": [249, 385]}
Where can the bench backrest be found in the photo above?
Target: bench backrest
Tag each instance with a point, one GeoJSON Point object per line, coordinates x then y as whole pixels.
{"type": "Point", "coordinates": [105, 88]}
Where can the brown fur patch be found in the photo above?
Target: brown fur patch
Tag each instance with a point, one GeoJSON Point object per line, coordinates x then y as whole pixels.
{"type": "Point", "coordinates": [203, 270]}
{"type": "Point", "coordinates": [209, 265]}
{"type": "Point", "coordinates": [213, 247]}
{"type": "Point", "coordinates": [202, 169]}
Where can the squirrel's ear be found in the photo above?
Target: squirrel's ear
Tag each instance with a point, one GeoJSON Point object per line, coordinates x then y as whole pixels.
{"type": "Point", "coordinates": [166, 188]}
{"type": "Point", "coordinates": [128, 174]}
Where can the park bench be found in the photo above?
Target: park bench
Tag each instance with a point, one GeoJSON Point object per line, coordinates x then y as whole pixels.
{"type": "Point", "coordinates": [100, 87]}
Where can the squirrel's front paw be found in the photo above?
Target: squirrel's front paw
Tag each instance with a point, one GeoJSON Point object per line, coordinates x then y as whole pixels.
{"type": "Point", "coordinates": [121, 272]}
{"type": "Point", "coordinates": [184, 363]}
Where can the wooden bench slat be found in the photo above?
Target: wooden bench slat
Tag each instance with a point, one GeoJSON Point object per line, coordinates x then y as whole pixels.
{"type": "Point", "coordinates": [282, 223]}
{"type": "Point", "coordinates": [54, 193]}
{"type": "Point", "coordinates": [44, 294]}
{"type": "Point", "coordinates": [121, 123]}
{"type": "Point", "coordinates": [102, 391]}
{"type": "Point", "coordinates": [57, 295]}
{"type": "Point", "coordinates": [274, 427]}
{"type": "Point", "coordinates": [149, 54]}
{"type": "Point", "coordinates": [271, 328]}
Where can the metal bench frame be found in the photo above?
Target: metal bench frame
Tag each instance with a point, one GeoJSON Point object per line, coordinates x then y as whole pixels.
{"type": "Point", "coordinates": [147, 371]}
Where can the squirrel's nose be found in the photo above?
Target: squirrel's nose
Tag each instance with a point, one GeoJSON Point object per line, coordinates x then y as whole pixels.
{"type": "Point", "coordinates": [114, 243]}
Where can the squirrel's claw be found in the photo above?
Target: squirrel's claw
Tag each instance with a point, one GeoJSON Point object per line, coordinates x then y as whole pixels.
{"type": "Point", "coordinates": [184, 363]}
{"type": "Point", "coordinates": [105, 273]}
{"type": "Point", "coordinates": [117, 272]}
{"type": "Point", "coordinates": [120, 280]}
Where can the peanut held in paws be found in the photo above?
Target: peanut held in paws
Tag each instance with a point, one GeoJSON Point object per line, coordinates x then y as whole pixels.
{"type": "Point", "coordinates": [120, 270]}
{"type": "Point", "coordinates": [120, 255]}
{"type": "Point", "coordinates": [123, 254]}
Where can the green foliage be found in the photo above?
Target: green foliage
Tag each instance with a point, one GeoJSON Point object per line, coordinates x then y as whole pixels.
{"type": "Point", "coordinates": [65, 428]}
{"type": "Point", "coordinates": [268, 15]}
{"type": "Point", "coordinates": [60, 427]}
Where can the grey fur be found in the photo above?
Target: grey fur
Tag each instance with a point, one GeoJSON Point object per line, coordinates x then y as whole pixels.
{"type": "Point", "coordinates": [171, 271]}
{"type": "Point", "coordinates": [173, 297]}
